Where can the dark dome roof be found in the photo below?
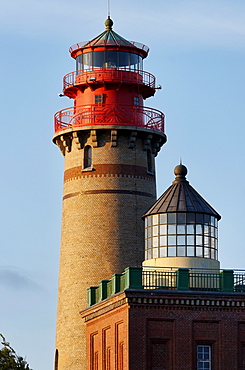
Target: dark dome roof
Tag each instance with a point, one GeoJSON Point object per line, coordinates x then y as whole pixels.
{"type": "Point", "coordinates": [112, 39]}
{"type": "Point", "coordinates": [109, 37]}
{"type": "Point", "coordinates": [181, 197]}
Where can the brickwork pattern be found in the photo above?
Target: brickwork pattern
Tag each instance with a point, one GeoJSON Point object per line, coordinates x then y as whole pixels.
{"type": "Point", "coordinates": [109, 170]}
{"type": "Point", "coordinates": [159, 353]}
{"type": "Point", "coordinates": [112, 334]}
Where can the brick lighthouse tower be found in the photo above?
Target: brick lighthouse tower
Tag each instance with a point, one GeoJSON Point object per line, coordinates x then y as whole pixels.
{"type": "Point", "coordinates": [109, 141]}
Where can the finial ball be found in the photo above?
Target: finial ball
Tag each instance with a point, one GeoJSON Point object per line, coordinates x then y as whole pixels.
{"type": "Point", "coordinates": [109, 23]}
{"type": "Point", "coordinates": [180, 170]}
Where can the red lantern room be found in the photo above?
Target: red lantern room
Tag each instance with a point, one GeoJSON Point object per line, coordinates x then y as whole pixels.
{"type": "Point", "coordinates": [109, 85]}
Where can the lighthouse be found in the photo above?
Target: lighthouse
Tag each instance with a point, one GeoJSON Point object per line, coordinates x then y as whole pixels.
{"type": "Point", "coordinates": [109, 141]}
{"type": "Point", "coordinates": [181, 228]}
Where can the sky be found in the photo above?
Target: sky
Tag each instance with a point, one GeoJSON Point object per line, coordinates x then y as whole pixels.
{"type": "Point", "coordinates": [197, 53]}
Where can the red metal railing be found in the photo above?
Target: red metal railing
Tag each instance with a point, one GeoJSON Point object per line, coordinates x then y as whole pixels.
{"type": "Point", "coordinates": [115, 75]}
{"type": "Point", "coordinates": [109, 115]}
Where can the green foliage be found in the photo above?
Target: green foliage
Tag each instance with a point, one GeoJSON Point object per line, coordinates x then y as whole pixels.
{"type": "Point", "coordinates": [9, 360]}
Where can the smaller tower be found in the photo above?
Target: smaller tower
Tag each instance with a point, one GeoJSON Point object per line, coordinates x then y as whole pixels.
{"type": "Point", "coordinates": [181, 228]}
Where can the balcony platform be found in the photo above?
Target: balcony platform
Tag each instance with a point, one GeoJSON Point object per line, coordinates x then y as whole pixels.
{"type": "Point", "coordinates": [109, 115]}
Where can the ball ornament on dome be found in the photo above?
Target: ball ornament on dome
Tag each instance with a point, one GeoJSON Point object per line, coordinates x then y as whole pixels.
{"type": "Point", "coordinates": [109, 23]}
{"type": "Point", "coordinates": [180, 170]}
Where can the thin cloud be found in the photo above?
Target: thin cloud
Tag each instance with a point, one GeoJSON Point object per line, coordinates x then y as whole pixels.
{"type": "Point", "coordinates": [189, 23]}
{"type": "Point", "coordinates": [212, 29]}
{"type": "Point", "coordinates": [15, 279]}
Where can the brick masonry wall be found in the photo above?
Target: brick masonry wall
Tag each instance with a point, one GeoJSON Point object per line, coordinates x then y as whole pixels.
{"type": "Point", "coordinates": [164, 328]}
{"type": "Point", "coordinates": [181, 323]}
{"type": "Point", "coordinates": [111, 332]}
{"type": "Point", "coordinates": [102, 229]}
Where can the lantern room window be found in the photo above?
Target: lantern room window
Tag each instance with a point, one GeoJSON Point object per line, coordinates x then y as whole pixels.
{"type": "Point", "coordinates": [181, 235]}
{"type": "Point", "coordinates": [109, 59]}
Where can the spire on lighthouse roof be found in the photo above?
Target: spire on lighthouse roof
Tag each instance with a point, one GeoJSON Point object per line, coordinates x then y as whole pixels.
{"type": "Point", "coordinates": [109, 37]}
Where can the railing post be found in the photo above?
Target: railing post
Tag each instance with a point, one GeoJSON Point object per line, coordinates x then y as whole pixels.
{"type": "Point", "coordinates": [109, 288]}
{"type": "Point", "coordinates": [92, 295]}
{"type": "Point", "coordinates": [182, 279]}
{"type": "Point", "coordinates": [227, 281]}
{"type": "Point", "coordinates": [115, 281]}
{"type": "Point", "coordinates": [122, 282]}
{"type": "Point", "coordinates": [133, 278]}
{"type": "Point", "coordinates": [103, 289]}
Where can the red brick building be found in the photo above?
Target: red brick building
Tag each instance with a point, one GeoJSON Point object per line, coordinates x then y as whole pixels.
{"type": "Point", "coordinates": [163, 330]}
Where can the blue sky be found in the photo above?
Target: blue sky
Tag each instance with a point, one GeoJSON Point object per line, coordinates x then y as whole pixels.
{"type": "Point", "coordinates": [197, 52]}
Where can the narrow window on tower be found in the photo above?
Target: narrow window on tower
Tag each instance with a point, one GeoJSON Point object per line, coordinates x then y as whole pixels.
{"type": "Point", "coordinates": [136, 100]}
{"type": "Point", "coordinates": [87, 161]}
{"type": "Point", "coordinates": [99, 99]}
{"type": "Point", "coordinates": [149, 162]}
{"type": "Point", "coordinates": [203, 357]}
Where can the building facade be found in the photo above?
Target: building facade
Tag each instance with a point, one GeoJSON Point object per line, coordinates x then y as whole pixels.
{"type": "Point", "coordinates": [167, 330]}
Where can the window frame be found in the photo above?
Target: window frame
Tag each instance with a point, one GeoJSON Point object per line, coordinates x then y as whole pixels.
{"type": "Point", "coordinates": [150, 162]}
{"type": "Point", "coordinates": [136, 101]}
{"type": "Point", "coordinates": [87, 158]}
{"type": "Point", "coordinates": [99, 100]}
{"type": "Point", "coordinates": [203, 361]}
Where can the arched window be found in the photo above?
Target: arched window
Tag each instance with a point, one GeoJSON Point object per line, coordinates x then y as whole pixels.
{"type": "Point", "coordinates": [149, 161]}
{"type": "Point", "coordinates": [87, 162]}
